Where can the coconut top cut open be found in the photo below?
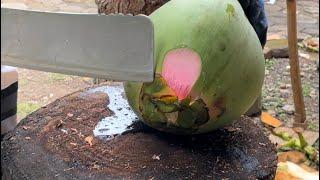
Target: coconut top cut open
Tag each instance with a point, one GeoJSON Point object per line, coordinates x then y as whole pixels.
{"type": "Point", "coordinates": [181, 69]}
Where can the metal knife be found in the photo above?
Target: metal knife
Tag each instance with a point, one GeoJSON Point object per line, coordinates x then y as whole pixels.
{"type": "Point", "coordinates": [114, 47]}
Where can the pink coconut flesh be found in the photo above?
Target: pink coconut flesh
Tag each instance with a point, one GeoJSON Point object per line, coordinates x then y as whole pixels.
{"type": "Point", "coordinates": [181, 69]}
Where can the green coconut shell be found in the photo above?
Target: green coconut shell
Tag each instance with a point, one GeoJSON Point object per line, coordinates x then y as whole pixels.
{"type": "Point", "coordinates": [232, 67]}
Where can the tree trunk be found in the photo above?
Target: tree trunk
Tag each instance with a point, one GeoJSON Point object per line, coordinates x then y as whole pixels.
{"type": "Point", "coordinates": [129, 6]}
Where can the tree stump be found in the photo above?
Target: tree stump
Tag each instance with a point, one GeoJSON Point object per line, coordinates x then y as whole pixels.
{"type": "Point", "coordinates": [129, 6]}
{"type": "Point", "coordinates": [57, 142]}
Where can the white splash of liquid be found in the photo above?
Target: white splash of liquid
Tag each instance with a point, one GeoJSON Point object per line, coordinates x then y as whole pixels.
{"type": "Point", "coordinates": [272, 1]}
{"type": "Point", "coordinates": [123, 115]}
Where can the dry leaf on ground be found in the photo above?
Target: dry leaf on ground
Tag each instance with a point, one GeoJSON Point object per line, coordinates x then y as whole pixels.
{"type": "Point", "coordinates": [89, 140]}
{"type": "Point", "coordinates": [292, 156]}
{"type": "Point", "coordinates": [269, 120]}
{"type": "Point", "coordinates": [289, 171]}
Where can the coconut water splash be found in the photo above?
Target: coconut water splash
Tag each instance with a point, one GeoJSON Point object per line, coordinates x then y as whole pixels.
{"type": "Point", "coordinates": [122, 119]}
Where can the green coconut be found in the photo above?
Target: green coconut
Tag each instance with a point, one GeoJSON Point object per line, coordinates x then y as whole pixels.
{"type": "Point", "coordinates": [209, 67]}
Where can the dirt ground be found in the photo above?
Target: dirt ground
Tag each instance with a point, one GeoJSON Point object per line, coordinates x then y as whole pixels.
{"type": "Point", "coordinates": [37, 89]}
{"type": "Point", "coordinates": [277, 91]}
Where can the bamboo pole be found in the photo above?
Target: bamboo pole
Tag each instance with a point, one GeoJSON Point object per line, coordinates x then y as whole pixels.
{"type": "Point", "coordinates": [300, 114]}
